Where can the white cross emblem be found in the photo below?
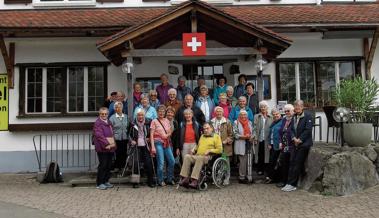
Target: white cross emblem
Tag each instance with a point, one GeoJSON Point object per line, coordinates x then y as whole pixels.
{"type": "Point", "coordinates": [194, 44]}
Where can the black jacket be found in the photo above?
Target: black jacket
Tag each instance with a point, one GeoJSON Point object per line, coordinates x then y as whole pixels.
{"type": "Point", "coordinates": [303, 129]}
{"type": "Point", "coordinates": [197, 114]}
{"type": "Point", "coordinates": [182, 131]}
{"type": "Point", "coordinates": [133, 131]}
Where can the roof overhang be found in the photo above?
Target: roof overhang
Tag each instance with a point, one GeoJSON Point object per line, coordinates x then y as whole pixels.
{"type": "Point", "coordinates": [218, 26]}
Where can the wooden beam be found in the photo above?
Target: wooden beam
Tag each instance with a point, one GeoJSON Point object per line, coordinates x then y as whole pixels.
{"type": "Point", "coordinates": [366, 48]}
{"type": "Point", "coordinates": [251, 30]}
{"type": "Point", "coordinates": [178, 52]}
{"type": "Point", "coordinates": [144, 28]}
{"type": "Point", "coordinates": [12, 50]}
{"type": "Point", "coordinates": [193, 21]}
{"type": "Point", "coordinates": [7, 60]}
{"type": "Point", "coordinates": [371, 53]}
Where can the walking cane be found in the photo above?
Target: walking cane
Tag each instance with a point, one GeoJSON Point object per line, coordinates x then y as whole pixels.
{"type": "Point", "coordinates": [130, 153]}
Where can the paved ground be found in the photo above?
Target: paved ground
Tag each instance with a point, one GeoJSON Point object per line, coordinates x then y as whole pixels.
{"type": "Point", "coordinates": [257, 200]}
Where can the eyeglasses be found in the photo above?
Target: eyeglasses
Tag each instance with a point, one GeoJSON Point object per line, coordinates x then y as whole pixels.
{"type": "Point", "coordinates": [153, 95]}
{"type": "Point", "coordinates": [287, 111]}
{"type": "Point", "coordinates": [103, 113]}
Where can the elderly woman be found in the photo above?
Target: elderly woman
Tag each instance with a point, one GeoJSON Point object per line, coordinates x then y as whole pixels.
{"type": "Point", "coordinates": [221, 88]}
{"type": "Point", "coordinates": [139, 134]}
{"type": "Point", "coordinates": [172, 100]}
{"type": "Point", "coordinates": [224, 104]}
{"type": "Point", "coordinates": [119, 122]}
{"type": "Point", "coordinates": [205, 103]}
{"type": "Point", "coordinates": [105, 146]}
{"type": "Point", "coordinates": [137, 93]}
{"type": "Point", "coordinates": [160, 137]}
{"type": "Point", "coordinates": [262, 122]}
{"type": "Point", "coordinates": [232, 100]}
{"type": "Point", "coordinates": [153, 99]}
{"type": "Point", "coordinates": [285, 143]}
{"type": "Point", "coordinates": [223, 127]}
{"type": "Point", "coordinates": [274, 140]}
{"type": "Point", "coordinates": [233, 115]}
{"type": "Point", "coordinates": [182, 89]}
{"type": "Point", "coordinates": [243, 131]}
{"type": "Point", "coordinates": [189, 133]}
{"type": "Point", "coordinates": [150, 112]}
{"type": "Point", "coordinates": [170, 115]}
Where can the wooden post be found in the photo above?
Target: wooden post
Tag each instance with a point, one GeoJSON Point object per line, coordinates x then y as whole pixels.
{"type": "Point", "coordinates": [370, 57]}
{"type": "Point", "coordinates": [193, 21]}
{"type": "Point", "coordinates": [8, 60]}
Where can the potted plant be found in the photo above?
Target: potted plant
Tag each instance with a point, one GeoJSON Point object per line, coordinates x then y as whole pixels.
{"type": "Point", "coordinates": [359, 96]}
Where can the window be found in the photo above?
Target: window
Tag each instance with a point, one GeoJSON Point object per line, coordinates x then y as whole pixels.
{"type": "Point", "coordinates": [42, 3]}
{"type": "Point", "coordinates": [313, 81]}
{"type": "Point", "coordinates": [64, 89]}
{"type": "Point", "coordinates": [210, 73]}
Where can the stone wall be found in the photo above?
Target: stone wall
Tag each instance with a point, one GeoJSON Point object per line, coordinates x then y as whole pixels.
{"type": "Point", "coordinates": [333, 170]}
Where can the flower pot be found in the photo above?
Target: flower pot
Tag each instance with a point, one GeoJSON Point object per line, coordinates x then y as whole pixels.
{"type": "Point", "coordinates": [357, 134]}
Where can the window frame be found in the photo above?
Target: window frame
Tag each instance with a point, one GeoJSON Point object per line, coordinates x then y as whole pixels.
{"type": "Point", "coordinates": [63, 3]}
{"type": "Point", "coordinates": [22, 112]}
{"type": "Point", "coordinates": [316, 68]}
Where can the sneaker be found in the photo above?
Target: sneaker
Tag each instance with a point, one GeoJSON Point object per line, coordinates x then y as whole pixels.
{"type": "Point", "coordinates": [290, 188]}
{"type": "Point", "coordinates": [170, 182]}
{"type": "Point", "coordinates": [108, 185]}
{"type": "Point", "coordinates": [162, 184]}
{"type": "Point", "coordinates": [184, 181]}
{"type": "Point", "coordinates": [226, 182]}
{"type": "Point", "coordinates": [280, 185]}
{"type": "Point", "coordinates": [102, 187]}
{"type": "Point", "coordinates": [268, 180]}
{"type": "Point", "coordinates": [285, 187]}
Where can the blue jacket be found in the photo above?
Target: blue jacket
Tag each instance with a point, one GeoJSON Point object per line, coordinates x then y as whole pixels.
{"type": "Point", "coordinates": [233, 116]}
{"type": "Point", "coordinates": [182, 92]}
{"type": "Point", "coordinates": [302, 128]}
{"type": "Point", "coordinates": [239, 90]}
{"type": "Point", "coordinates": [274, 138]}
{"type": "Point", "coordinates": [217, 91]}
{"type": "Point", "coordinates": [150, 112]}
{"type": "Point", "coordinates": [210, 106]}
{"type": "Point", "coordinates": [124, 108]}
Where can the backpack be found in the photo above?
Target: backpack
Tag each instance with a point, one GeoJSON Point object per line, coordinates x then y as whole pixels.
{"type": "Point", "coordinates": [53, 173]}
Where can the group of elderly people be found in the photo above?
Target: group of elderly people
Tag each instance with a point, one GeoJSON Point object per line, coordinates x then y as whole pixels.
{"type": "Point", "coordinates": [192, 126]}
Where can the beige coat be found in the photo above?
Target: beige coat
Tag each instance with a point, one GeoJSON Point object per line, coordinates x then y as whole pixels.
{"type": "Point", "coordinates": [258, 127]}
{"type": "Point", "coordinates": [226, 131]}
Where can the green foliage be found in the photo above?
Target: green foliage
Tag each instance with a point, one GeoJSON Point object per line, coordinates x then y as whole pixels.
{"type": "Point", "coordinates": [358, 95]}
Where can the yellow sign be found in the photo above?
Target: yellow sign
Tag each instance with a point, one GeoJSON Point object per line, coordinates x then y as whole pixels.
{"type": "Point", "coordinates": [4, 95]}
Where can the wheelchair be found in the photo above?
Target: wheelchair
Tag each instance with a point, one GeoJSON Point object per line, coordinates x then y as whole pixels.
{"type": "Point", "coordinates": [216, 171]}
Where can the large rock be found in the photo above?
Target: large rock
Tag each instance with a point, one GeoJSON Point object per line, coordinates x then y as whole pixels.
{"type": "Point", "coordinates": [348, 172]}
{"type": "Point", "coordinates": [316, 161]}
{"type": "Point", "coordinates": [370, 153]}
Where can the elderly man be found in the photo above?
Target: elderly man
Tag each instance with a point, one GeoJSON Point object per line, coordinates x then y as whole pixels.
{"type": "Point", "coordinates": [163, 88]}
{"type": "Point", "coordinates": [188, 104]}
{"type": "Point", "coordinates": [301, 133]}
{"type": "Point", "coordinates": [209, 143]}
{"type": "Point", "coordinates": [205, 103]}
{"type": "Point", "coordinates": [252, 98]}
{"type": "Point", "coordinates": [233, 116]}
{"type": "Point", "coordinates": [196, 91]}
{"type": "Point", "coordinates": [172, 100]}
{"type": "Point", "coordinates": [182, 89]}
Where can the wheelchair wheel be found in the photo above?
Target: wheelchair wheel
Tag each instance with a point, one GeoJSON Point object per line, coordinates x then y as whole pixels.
{"type": "Point", "coordinates": [203, 186]}
{"type": "Point", "coordinates": [220, 172]}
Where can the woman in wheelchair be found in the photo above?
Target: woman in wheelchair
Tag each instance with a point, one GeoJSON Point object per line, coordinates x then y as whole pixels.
{"type": "Point", "coordinates": [209, 143]}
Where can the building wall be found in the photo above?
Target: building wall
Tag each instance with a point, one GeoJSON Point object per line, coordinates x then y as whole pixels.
{"type": "Point", "coordinates": [19, 145]}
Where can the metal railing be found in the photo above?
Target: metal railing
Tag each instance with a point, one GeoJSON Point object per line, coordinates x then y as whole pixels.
{"type": "Point", "coordinates": [70, 151]}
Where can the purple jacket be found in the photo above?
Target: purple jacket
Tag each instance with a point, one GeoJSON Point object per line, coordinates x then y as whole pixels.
{"type": "Point", "coordinates": [163, 93]}
{"type": "Point", "coordinates": [101, 131]}
{"type": "Point", "coordinates": [285, 136]}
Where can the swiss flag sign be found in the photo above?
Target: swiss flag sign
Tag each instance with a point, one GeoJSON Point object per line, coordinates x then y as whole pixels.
{"type": "Point", "coordinates": [194, 44]}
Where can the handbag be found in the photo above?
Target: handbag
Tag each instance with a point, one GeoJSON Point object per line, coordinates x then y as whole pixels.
{"type": "Point", "coordinates": [168, 139]}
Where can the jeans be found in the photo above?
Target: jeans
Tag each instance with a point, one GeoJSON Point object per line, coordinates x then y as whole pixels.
{"type": "Point", "coordinates": [104, 168]}
{"type": "Point", "coordinates": [163, 153]}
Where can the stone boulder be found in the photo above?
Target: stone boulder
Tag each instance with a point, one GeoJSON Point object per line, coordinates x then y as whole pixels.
{"type": "Point", "coordinates": [348, 172]}
{"type": "Point", "coordinates": [316, 161]}
{"type": "Point", "coordinates": [370, 153]}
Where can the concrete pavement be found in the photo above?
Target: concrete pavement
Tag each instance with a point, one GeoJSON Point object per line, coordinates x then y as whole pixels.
{"type": "Point", "coordinates": [236, 200]}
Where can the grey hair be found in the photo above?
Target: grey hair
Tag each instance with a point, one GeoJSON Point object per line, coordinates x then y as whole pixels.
{"type": "Point", "coordinates": [188, 111]}
{"type": "Point", "coordinates": [263, 104]}
{"type": "Point", "coordinates": [219, 108]}
{"type": "Point", "coordinates": [118, 103]}
{"type": "Point", "coordinates": [152, 92]}
{"type": "Point", "coordinates": [230, 88]}
{"type": "Point", "coordinates": [203, 87]}
{"type": "Point", "coordinates": [299, 103]}
{"type": "Point", "coordinates": [288, 107]}
{"type": "Point", "coordinates": [139, 111]}
{"type": "Point", "coordinates": [274, 110]}
{"type": "Point", "coordinates": [172, 90]}
{"type": "Point", "coordinates": [103, 109]}
{"type": "Point", "coordinates": [144, 96]}
{"type": "Point", "coordinates": [188, 96]}
{"type": "Point", "coordinates": [243, 111]}
{"type": "Point", "coordinates": [242, 97]}
{"type": "Point", "coordinates": [181, 78]}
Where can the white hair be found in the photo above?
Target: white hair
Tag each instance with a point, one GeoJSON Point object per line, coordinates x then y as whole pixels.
{"type": "Point", "coordinates": [263, 104]}
{"type": "Point", "coordinates": [172, 90]}
{"type": "Point", "coordinates": [230, 88]}
{"type": "Point", "coordinates": [118, 103]}
{"type": "Point", "coordinates": [288, 107]}
{"type": "Point", "coordinates": [140, 111]}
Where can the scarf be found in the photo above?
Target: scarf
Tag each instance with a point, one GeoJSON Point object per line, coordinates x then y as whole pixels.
{"type": "Point", "coordinates": [217, 124]}
{"type": "Point", "coordinates": [245, 126]}
{"type": "Point", "coordinates": [137, 97]}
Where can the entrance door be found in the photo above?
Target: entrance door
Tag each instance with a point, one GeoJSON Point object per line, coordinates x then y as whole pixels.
{"type": "Point", "coordinates": [209, 72]}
